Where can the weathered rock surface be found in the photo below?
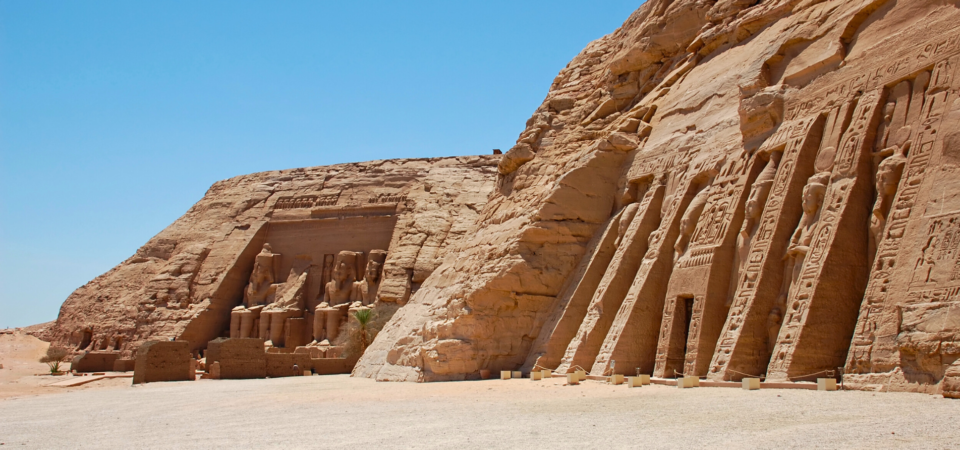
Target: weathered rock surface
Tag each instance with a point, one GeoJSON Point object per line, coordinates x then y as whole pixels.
{"type": "Point", "coordinates": [185, 281]}
{"type": "Point", "coordinates": [719, 188]}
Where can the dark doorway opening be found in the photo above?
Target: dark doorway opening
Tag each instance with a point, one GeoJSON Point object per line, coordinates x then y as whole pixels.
{"type": "Point", "coordinates": [687, 317]}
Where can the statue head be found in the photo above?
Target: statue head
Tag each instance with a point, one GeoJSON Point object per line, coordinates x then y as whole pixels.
{"type": "Point", "coordinates": [341, 271]}
{"type": "Point", "coordinates": [761, 187]}
{"type": "Point", "coordinates": [758, 198]}
{"type": "Point", "coordinates": [373, 272]}
{"type": "Point", "coordinates": [266, 249]}
{"type": "Point", "coordinates": [889, 174]}
{"type": "Point", "coordinates": [814, 192]}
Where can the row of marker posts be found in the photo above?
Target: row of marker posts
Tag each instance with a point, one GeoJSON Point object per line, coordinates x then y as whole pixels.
{"type": "Point", "coordinates": [574, 378]}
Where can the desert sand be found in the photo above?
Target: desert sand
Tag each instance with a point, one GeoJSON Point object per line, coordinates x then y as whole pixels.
{"type": "Point", "coordinates": [325, 411]}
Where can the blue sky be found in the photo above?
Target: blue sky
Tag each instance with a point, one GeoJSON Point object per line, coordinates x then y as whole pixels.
{"type": "Point", "coordinates": [115, 117]}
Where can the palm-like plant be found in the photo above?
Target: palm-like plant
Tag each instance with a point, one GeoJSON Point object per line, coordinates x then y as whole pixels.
{"type": "Point", "coordinates": [54, 357]}
{"type": "Point", "coordinates": [364, 317]}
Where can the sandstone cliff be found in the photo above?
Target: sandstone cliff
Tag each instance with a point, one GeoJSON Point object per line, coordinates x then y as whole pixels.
{"type": "Point", "coordinates": [725, 189]}
{"type": "Point", "coordinates": [184, 282]}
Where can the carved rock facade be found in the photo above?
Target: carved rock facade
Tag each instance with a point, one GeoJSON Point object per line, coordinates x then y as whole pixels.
{"type": "Point", "coordinates": [721, 189]}
{"type": "Point", "coordinates": [718, 188]}
{"type": "Point", "coordinates": [253, 258]}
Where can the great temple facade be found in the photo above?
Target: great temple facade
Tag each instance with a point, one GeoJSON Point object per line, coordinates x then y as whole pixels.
{"type": "Point", "coordinates": [721, 189]}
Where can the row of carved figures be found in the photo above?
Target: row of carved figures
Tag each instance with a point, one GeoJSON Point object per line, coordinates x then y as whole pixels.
{"type": "Point", "coordinates": [278, 312]}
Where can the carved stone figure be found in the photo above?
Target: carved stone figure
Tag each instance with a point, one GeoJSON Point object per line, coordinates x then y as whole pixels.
{"type": "Point", "coordinates": [337, 295]}
{"type": "Point", "coordinates": [688, 224]}
{"type": "Point", "coordinates": [774, 320]}
{"type": "Point", "coordinates": [752, 213]}
{"type": "Point", "coordinates": [888, 179]}
{"type": "Point", "coordinates": [799, 246]}
{"type": "Point", "coordinates": [262, 278]}
{"type": "Point", "coordinates": [365, 291]}
{"type": "Point", "coordinates": [260, 291]}
{"type": "Point", "coordinates": [628, 213]}
{"type": "Point", "coordinates": [289, 303]}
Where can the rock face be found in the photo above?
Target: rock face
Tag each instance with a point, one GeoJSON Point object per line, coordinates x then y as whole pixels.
{"type": "Point", "coordinates": [723, 189]}
{"type": "Point", "coordinates": [186, 282]}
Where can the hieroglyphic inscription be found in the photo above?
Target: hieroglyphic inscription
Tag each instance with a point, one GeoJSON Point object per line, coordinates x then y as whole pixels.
{"type": "Point", "coordinates": [387, 198]}
{"type": "Point", "coordinates": [939, 50]}
{"type": "Point", "coordinates": [306, 201]}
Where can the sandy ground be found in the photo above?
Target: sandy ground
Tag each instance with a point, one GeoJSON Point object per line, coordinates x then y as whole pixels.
{"type": "Point", "coordinates": [343, 412]}
{"type": "Point", "coordinates": [20, 355]}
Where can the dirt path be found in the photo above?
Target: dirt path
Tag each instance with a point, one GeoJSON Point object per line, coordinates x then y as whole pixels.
{"type": "Point", "coordinates": [343, 412]}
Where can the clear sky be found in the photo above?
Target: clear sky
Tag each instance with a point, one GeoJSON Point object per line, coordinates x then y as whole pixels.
{"type": "Point", "coordinates": [116, 116]}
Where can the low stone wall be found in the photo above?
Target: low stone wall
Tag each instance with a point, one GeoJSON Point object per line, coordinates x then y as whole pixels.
{"type": "Point", "coordinates": [94, 362]}
{"type": "Point", "coordinates": [163, 361]}
{"type": "Point", "coordinates": [124, 365]}
{"type": "Point", "coordinates": [333, 366]}
{"type": "Point", "coordinates": [239, 358]}
{"type": "Point", "coordinates": [281, 364]}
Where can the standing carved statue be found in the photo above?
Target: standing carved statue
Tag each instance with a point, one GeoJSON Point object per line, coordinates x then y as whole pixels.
{"type": "Point", "coordinates": [753, 211]}
{"type": "Point", "coordinates": [813, 194]}
{"type": "Point", "coordinates": [688, 224]}
{"type": "Point", "coordinates": [889, 173]}
{"type": "Point", "coordinates": [625, 219]}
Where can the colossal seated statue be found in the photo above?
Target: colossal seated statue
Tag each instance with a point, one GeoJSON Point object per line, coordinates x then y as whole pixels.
{"type": "Point", "coordinates": [338, 293]}
{"type": "Point", "coordinates": [259, 292]}
{"type": "Point", "coordinates": [289, 303]}
{"type": "Point", "coordinates": [365, 291]}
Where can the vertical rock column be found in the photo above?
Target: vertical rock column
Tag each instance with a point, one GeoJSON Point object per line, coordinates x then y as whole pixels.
{"type": "Point", "coordinates": [548, 349]}
{"type": "Point", "coordinates": [583, 348]}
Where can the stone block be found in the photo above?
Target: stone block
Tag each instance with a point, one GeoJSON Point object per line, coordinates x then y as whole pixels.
{"type": "Point", "coordinates": [751, 384]}
{"type": "Point", "coordinates": [239, 358]}
{"type": "Point", "coordinates": [124, 365]}
{"type": "Point", "coordinates": [163, 361]}
{"type": "Point", "coordinates": [826, 384]}
{"type": "Point", "coordinates": [688, 382]}
{"type": "Point", "coordinates": [536, 376]}
{"type": "Point", "coordinates": [581, 374]}
{"type": "Point", "coordinates": [505, 374]}
{"type": "Point", "coordinates": [573, 379]}
{"type": "Point", "coordinates": [634, 382]}
{"type": "Point", "coordinates": [94, 362]}
{"type": "Point", "coordinates": [616, 379]}
{"type": "Point", "coordinates": [516, 374]}
{"type": "Point", "coordinates": [546, 373]}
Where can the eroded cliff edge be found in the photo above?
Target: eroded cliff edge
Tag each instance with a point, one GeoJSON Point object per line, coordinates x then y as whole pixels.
{"type": "Point", "coordinates": [725, 189]}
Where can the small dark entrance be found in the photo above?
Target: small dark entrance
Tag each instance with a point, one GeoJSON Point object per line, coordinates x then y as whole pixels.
{"type": "Point", "coordinates": [687, 316]}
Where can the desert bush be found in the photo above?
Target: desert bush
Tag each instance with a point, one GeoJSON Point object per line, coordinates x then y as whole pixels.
{"type": "Point", "coordinates": [54, 357]}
